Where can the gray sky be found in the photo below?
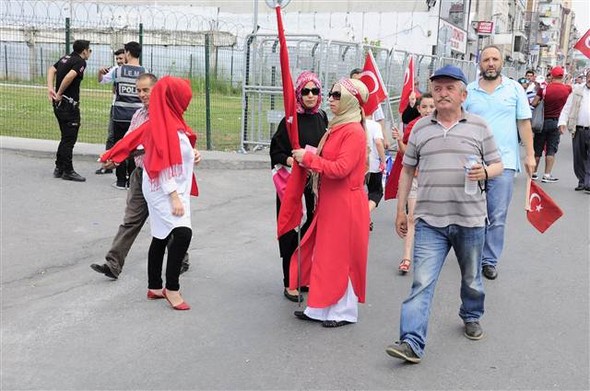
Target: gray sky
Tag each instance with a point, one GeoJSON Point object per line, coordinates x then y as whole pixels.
{"type": "Point", "coordinates": [582, 10]}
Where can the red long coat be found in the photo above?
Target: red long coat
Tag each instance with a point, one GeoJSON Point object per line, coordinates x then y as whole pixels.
{"type": "Point", "coordinates": [335, 247]}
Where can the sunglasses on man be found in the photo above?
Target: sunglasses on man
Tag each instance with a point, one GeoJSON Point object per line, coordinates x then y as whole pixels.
{"type": "Point", "coordinates": [306, 91]}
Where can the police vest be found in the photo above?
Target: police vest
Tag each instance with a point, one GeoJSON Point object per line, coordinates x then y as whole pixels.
{"type": "Point", "coordinates": [126, 100]}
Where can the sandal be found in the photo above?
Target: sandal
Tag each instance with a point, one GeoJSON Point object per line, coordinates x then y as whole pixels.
{"type": "Point", "coordinates": [404, 266]}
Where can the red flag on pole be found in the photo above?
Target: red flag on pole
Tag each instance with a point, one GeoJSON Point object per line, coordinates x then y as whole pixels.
{"type": "Point", "coordinates": [408, 86]}
{"type": "Point", "coordinates": [583, 45]}
{"type": "Point", "coordinates": [372, 79]}
{"type": "Point", "coordinates": [291, 206]}
{"type": "Point", "coordinates": [542, 211]}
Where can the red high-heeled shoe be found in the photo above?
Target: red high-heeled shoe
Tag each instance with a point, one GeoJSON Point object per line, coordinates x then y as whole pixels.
{"type": "Point", "coordinates": [153, 296]}
{"type": "Point", "coordinates": [179, 307]}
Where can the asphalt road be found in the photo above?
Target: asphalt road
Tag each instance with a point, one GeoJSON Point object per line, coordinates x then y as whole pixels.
{"type": "Point", "coordinates": [65, 327]}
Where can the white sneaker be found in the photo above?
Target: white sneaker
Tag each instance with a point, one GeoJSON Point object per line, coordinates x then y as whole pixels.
{"type": "Point", "coordinates": [535, 176]}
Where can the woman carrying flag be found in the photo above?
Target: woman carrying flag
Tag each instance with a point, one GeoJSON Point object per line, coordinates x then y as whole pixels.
{"type": "Point", "coordinates": [313, 122]}
{"type": "Point", "coordinates": [335, 247]}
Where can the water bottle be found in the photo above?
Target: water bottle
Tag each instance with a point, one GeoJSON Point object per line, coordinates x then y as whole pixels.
{"type": "Point", "coordinates": [470, 186]}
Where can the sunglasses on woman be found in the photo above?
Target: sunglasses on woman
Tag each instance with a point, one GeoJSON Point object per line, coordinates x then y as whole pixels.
{"type": "Point", "coordinates": [306, 91]}
{"type": "Point", "coordinates": [334, 95]}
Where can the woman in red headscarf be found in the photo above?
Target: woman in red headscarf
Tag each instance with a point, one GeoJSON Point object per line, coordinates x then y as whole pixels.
{"type": "Point", "coordinates": [312, 122]}
{"type": "Point", "coordinates": [167, 182]}
{"type": "Point", "coordinates": [335, 248]}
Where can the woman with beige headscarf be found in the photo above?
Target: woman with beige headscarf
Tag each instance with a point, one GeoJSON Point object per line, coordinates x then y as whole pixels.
{"type": "Point", "coordinates": [334, 249]}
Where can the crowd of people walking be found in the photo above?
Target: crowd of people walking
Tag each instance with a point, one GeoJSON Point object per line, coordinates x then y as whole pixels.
{"type": "Point", "coordinates": [458, 153]}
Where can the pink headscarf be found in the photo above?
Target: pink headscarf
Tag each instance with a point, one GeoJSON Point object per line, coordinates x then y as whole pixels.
{"type": "Point", "coordinates": [304, 78]}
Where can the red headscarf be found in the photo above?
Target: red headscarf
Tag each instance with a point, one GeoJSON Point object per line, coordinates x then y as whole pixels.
{"type": "Point", "coordinates": [169, 100]}
{"type": "Point", "coordinates": [304, 78]}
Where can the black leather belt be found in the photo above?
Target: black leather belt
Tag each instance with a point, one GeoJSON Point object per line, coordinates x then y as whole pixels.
{"type": "Point", "coordinates": [583, 127]}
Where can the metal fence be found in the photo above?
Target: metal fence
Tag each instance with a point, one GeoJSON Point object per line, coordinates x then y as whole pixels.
{"type": "Point", "coordinates": [34, 35]}
{"type": "Point", "coordinates": [330, 60]}
{"type": "Point", "coordinates": [237, 94]}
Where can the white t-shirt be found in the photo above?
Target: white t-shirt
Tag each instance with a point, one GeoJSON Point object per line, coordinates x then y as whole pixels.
{"type": "Point", "coordinates": [373, 133]}
{"type": "Point", "coordinates": [109, 76]}
{"type": "Point", "coordinates": [378, 114]}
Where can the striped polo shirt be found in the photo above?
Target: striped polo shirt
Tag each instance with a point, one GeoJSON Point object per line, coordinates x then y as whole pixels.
{"type": "Point", "coordinates": [440, 155]}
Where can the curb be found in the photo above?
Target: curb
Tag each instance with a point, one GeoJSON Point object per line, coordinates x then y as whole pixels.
{"type": "Point", "coordinates": [90, 152]}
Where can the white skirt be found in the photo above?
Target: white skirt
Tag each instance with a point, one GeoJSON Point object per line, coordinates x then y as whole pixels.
{"type": "Point", "coordinates": [345, 309]}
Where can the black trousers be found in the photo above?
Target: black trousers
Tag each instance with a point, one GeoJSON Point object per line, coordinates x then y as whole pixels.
{"type": "Point", "coordinates": [288, 242]}
{"type": "Point", "coordinates": [176, 252]}
{"type": "Point", "coordinates": [111, 132]}
{"type": "Point", "coordinates": [136, 213]}
{"type": "Point", "coordinates": [581, 151]}
{"type": "Point", "coordinates": [68, 118]}
{"type": "Point", "coordinates": [124, 170]}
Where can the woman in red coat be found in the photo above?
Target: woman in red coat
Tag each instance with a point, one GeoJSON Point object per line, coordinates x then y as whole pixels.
{"type": "Point", "coordinates": [334, 249]}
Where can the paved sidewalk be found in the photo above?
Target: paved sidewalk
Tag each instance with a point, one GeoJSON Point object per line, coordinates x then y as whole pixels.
{"type": "Point", "coordinates": [211, 159]}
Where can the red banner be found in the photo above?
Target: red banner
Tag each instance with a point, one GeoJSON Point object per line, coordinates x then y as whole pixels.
{"type": "Point", "coordinates": [291, 207]}
{"type": "Point", "coordinates": [408, 86]}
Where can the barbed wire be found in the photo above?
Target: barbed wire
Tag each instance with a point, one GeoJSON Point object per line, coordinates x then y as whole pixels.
{"type": "Point", "coordinates": [51, 14]}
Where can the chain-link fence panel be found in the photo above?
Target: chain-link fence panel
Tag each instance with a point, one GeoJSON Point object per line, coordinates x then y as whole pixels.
{"type": "Point", "coordinates": [34, 35]}
{"type": "Point", "coordinates": [237, 93]}
{"type": "Point", "coordinates": [262, 91]}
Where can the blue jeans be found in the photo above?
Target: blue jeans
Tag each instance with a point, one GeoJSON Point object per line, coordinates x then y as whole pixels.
{"type": "Point", "coordinates": [431, 246]}
{"type": "Point", "coordinates": [498, 198]}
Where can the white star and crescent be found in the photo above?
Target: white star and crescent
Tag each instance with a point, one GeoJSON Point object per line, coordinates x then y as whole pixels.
{"type": "Point", "coordinates": [372, 76]}
{"type": "Point", "coordinates": [536, 196]}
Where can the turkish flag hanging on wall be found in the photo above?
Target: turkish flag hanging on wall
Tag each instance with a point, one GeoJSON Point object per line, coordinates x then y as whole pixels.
{"type": "Point", "coordinates": [371, 77]}
{"type": "Point", "coordinates": [583, 44]}
{"type": "Point", "coordinates": [408, 86]}
{"type": "Point", "coordinates": [542, 211]}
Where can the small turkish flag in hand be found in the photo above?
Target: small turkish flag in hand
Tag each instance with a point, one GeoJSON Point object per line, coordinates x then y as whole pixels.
{"type": "Point", "coordinates": [583, 44]}
{"type": "Point", "coordinates": [542, 211]}
{"type": "Point", "coordinates": [408, 86]}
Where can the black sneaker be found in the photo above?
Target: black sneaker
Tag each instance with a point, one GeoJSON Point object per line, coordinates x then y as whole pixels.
{"type": "Point", "coordinates": [72, 176]}
{"type": "Point", "coordinates": [102, 171]}
{"type": "Point", "coordinates": [58, 172]}
{"type": "Point", "coordinates": [549, 179]}
{"type": "Point", "coordinates": [119, 185]}
{"type": "Point", "coordinates": [473, 331]}
{"type": "Point", "coordinates": [103, 269]}
{"type": "Point", "coordinates": [489, 272]}
{"type": "Point", "coordinates": [404, 351]}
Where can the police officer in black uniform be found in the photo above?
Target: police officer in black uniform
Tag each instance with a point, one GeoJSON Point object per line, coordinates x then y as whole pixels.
{"type": "Point", "coordinates": [68, 73]}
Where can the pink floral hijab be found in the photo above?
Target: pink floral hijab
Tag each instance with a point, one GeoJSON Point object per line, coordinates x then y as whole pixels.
{"type": "Point", "coordinates": [304, 78]}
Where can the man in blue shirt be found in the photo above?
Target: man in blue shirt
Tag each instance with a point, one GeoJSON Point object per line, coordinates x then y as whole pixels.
{"type": "Point", "coordinates": [503, 103]}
